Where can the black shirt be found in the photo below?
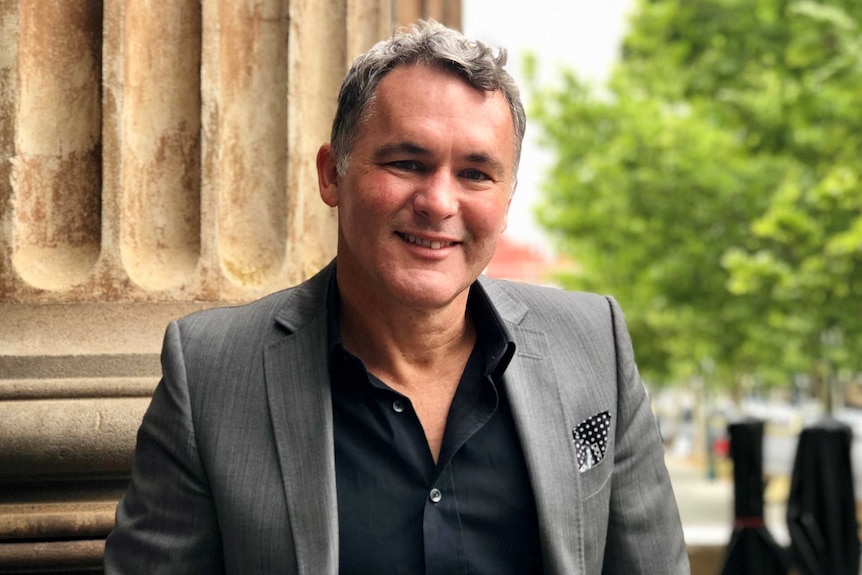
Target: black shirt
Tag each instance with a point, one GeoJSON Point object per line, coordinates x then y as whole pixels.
{"type": "Point", "coordinates": [399, 512]}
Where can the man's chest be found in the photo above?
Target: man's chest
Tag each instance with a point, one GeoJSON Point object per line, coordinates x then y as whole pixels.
{"type": "Point", "coordinates": [399, 511]}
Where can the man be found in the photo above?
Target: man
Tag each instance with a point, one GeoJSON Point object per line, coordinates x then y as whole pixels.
{"type": "Point", "coordinates": [395, 414]}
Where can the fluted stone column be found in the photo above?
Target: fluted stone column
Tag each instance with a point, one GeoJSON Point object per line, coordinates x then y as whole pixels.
{"type": "Point", "coordinates": [156, 157]}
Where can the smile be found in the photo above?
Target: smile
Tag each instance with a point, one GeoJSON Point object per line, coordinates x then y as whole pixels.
{"type": "Point", "coordinates": [425, 243]}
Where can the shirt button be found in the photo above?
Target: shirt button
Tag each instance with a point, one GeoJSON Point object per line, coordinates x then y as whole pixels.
{"type": "Point", "coordinates": [436, 496]}
{"type": "Point", "coordinates": [397, 406]}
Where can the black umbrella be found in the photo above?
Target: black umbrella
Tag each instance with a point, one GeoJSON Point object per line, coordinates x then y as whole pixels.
{"type": "Point", "coordinates": [752, 550]}
{"type": "Point", "coordinates": [821, 507]}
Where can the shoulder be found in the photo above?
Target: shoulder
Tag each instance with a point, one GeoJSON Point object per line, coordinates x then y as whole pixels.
{"type": "Point", "coordinates": [519, 302]}
{"type": "Point", "coordinates": [277, 313]}
{"type": "Point", "coordinates": [540, 294]}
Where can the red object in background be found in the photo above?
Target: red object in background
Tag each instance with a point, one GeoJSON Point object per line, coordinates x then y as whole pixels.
{"type": "Point", "coordinates": [519, 262]}
{"type": "Point", "coordinates": [721, 446]}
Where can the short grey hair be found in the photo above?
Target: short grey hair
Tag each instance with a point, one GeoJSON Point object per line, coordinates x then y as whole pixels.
{"type": "Point", "coordinates": [425, 42]}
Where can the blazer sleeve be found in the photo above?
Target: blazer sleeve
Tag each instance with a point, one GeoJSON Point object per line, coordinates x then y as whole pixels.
{"type": "Point", "coordinates": [166, 522]}
{"type": "Point", "coordinates": [644, 530]}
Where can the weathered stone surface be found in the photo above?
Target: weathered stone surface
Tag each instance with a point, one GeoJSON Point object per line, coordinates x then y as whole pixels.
{"type": "Point", "coordinates": [55, 167]}
{"type": "Point", "coordinates": [55, 521]}
{"type": "Point", "coordinates": [73, 387]}
{"type": "Point", "coordinates": [86, 330]}
{"type": "Point", "coordinates": [160, 55]}
{"type": "Point", "coordinates": [41, 438]}
{"type": "Point", "coordinates": [42, 557]}
{"type": "Point", "coordinates": [154, 157]}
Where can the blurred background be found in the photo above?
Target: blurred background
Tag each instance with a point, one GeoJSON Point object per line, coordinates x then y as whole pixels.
{"type": "Point", "coordinates": [700, 162]}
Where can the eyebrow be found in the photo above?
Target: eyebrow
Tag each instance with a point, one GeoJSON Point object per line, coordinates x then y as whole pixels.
{"type": "Point", "coordinates": [397, 148]}
{"type": "Point", "coordinates": [410, 148]}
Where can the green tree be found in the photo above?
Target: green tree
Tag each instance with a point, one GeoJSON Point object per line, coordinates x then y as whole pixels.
{"type": "Point", "coordinates": [714, 187]}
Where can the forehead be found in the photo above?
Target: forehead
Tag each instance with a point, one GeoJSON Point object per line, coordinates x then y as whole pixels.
{"type": "Point", "coordinates": [421, 81]}
{"type": "Point", "coordinates": [413, 97]}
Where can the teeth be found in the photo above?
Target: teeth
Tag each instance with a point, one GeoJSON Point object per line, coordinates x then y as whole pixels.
{"type": "Point", "coordinates": [426, 243]}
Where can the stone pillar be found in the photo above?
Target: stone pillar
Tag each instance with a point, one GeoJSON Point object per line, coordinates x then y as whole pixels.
{"type": "Point", "coordinates": [156, 157]}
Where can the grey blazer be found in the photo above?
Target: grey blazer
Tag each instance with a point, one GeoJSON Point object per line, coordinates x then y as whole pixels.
{"type": "Point", "coordinates": [234, 468]}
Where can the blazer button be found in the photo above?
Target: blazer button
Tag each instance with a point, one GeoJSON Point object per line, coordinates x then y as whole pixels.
{"type": "Point", "coordinates": [435, 495]}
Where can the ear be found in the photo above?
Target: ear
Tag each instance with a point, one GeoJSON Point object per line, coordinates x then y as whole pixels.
{"type": "Point", "coordinates": [327, 175]}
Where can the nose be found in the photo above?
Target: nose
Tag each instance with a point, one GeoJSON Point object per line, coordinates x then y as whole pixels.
{"type": "Point", "coordinates": [436, 198]}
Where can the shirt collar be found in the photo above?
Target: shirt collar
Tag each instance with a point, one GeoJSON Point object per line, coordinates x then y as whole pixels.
{"type": "Point", "coordinates": [333, 315]}
{"type": "Point", "coordinates": [496, 341]}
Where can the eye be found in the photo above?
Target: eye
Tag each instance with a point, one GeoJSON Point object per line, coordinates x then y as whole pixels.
{"type": "Point", "coordinates": [405, 165]}
{"type": "Point", "coordinates": [475, 175]}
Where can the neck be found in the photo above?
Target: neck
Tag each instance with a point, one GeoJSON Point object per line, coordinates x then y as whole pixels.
{"type": "Point", "coordinates": [405, 346]}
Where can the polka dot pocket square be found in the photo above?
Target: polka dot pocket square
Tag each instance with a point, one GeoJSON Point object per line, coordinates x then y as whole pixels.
{"type": "Point", "coordinates": [591, 440]}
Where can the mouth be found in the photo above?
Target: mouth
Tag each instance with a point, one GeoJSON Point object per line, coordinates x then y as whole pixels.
{"type": "Point", "coordinates": [434, 245]}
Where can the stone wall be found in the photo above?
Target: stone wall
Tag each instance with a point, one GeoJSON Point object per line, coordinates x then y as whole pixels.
{"type": "Point", "coordinates": [156, 157]}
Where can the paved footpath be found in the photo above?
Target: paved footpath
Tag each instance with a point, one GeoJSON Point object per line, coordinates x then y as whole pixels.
{"type": "Point", "coordinates": [706, 505]}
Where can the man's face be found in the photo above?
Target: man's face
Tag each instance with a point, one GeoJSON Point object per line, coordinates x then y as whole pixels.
{"type": "Point", "coordinates": [426, 194]}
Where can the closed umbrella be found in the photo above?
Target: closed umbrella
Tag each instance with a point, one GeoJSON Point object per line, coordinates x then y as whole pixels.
{"type": "Point", "coordinates": [752, 550]}
{"type": "Point", "coordinates": [821, 507]}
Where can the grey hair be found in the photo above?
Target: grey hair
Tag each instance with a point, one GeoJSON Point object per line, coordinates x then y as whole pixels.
{"type": "Point", "coordinates": [425, 42]}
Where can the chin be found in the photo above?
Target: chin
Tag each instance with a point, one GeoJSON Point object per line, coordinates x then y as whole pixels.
{"type": "Point", "coordinates": [429, 292]}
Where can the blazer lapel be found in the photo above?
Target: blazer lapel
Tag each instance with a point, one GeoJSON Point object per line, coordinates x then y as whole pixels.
{"type": "Point", "coordinates": [546, 440]}
{"type": "Point", "coordinates": [297, 384]}
{"type": "Point", "coordinates": [539, 412]}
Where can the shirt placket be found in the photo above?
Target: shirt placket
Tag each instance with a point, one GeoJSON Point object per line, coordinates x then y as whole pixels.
{"type": "Point", "coordinates": [444, 542]}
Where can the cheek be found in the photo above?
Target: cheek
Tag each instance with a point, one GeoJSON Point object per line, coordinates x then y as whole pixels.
{"type": "Point", "coordinates": [487, 220]}
{"type": "Point", "coordinates": [358, 207]}
{"type": "Point", "coordinates": [367, 218]}
{"type": "Point", "coordinates": [375, 199]}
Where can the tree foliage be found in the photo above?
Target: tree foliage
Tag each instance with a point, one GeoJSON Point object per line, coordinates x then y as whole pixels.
{"type": "Point", "coordinates": [715, 186]}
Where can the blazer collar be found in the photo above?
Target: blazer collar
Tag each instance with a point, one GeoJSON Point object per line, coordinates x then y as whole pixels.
{"type": "Point", "coordinates": [305, 302]}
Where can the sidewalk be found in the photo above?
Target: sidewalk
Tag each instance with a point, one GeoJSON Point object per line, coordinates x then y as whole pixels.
{"type": "Point", "coordinates": [706, 505]}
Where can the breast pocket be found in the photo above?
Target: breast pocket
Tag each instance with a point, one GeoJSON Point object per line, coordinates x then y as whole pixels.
{"type": "Point", "coordinates": [595, 479]}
